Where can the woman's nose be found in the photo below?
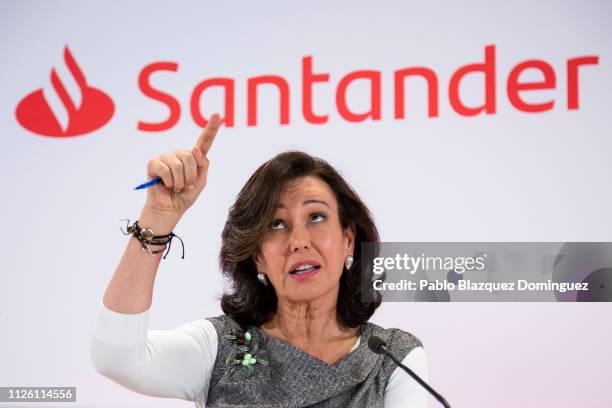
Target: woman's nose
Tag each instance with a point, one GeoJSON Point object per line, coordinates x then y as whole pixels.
{"type": "Point", "coordinates": [300, 238]}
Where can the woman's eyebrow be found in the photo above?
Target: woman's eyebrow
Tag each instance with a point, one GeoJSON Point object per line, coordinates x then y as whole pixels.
{"type": "Point", "coordinates": [312, 201]}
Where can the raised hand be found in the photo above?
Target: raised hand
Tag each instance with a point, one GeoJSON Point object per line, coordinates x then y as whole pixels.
{"type": "Point", "coordinates": [183, 173]}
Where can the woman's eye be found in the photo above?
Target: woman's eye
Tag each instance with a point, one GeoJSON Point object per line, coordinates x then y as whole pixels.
{"type": "Point", "coordinates": [277, 224]}
{"type": "Point", "coordinates": [318, 217]}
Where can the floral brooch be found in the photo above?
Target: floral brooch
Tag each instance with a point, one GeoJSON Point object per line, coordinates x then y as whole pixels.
{"type": "Point", "coordinates": [244, 355]}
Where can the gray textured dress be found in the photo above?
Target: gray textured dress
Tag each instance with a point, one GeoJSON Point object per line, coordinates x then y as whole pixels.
{"type": "Point", "coordinates": [294, 378]}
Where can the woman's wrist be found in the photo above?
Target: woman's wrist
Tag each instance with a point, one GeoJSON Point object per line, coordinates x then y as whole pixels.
{"type": "Point", "coordinates": [162, 223]}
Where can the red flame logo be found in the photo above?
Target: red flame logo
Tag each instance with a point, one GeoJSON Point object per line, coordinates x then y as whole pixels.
{"type": "Point", "coordinates": [93, 111]}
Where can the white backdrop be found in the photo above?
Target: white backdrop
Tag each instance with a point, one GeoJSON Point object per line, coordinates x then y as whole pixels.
{"type": "Point", "coordinates": [504, 176]}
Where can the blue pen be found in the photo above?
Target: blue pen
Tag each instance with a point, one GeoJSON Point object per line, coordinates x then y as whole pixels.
{"type": "Point", "coordinates": [149, 183]}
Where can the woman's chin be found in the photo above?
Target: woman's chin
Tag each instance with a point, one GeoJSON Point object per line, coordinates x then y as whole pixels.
{"type": "Point", "coordinates": [307, 292]}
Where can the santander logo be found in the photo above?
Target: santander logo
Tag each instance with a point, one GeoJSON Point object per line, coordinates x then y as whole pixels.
{"type": "Point", "coordinates": [85, 112]}
{"type": "Point", "coordinates": [70, 107]}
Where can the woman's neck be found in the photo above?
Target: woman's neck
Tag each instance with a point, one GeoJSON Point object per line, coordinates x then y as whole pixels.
{"type": "Point", "coordinates": [307, 323]}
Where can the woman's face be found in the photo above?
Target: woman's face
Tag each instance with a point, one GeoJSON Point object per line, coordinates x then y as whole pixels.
{"type": "Point", "coordinates": [305, 231]}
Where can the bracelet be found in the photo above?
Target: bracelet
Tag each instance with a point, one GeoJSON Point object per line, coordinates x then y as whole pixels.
{"type": "Point", "coordinates": [147, 238]}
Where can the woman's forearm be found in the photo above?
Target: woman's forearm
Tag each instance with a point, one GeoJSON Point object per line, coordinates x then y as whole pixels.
{"type": "Point", "coordinates": [183, 174]}
{"type": "Point", "coordinates": [131, 288]}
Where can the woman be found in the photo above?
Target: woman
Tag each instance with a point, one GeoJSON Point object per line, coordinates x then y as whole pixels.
{"type": "Point", "coordinates": [295, 330]}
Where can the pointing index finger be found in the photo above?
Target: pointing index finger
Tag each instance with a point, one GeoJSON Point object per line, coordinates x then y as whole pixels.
{"type": "Point", "coordinates": [208, 134]}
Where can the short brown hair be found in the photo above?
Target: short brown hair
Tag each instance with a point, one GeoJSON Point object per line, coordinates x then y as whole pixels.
{"type": "Point", "coordinates": [250, 302]}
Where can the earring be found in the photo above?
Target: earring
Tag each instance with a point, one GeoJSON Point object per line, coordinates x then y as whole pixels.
{"type": "Point", "coordinates": [262, 278]}
{"type": "Point", "coordinates": [349, 262]}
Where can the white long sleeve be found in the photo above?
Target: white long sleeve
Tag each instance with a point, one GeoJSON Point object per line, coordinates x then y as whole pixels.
{"type": "Point", "coordinates": [178, 363]}
{"type": "Point", "coordinates": [174, 363]}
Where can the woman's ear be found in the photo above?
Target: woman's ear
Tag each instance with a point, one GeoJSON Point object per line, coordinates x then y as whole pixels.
{"type": "Point", "coordinates": [350, 234]}
{"type": "Point", "coordinates": [256, 256]}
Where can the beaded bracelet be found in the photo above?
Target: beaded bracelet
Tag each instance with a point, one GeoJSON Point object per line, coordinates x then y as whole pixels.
{"type": "Point", "coordinates": [147, 238]}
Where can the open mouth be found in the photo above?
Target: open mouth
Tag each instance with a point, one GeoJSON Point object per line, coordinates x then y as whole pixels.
{"type": "Point", "coordinates": [304, 270]}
